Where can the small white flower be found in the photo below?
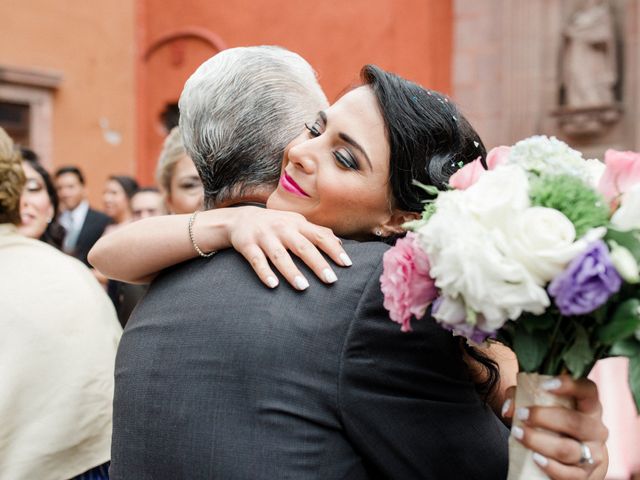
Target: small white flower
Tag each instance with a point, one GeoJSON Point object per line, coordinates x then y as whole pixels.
{"type": "Point", "coordinates": [627, 217]}
{"type": "Point", "coordinates": [625, 263]}
{"type": "Point", "coordinates": [595, 169]}
{"type": "Point", "coordinates": [541, 154]}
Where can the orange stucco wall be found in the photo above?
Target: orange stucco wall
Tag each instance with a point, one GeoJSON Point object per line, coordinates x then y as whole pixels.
{"type": "Point", "coordinates": [91, 44]}
{"type": "Point", "coordinates": [411, 37]}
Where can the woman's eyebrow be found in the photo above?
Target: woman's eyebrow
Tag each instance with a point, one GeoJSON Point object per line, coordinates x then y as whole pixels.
{"type": "Point", "coordinates": [349, 140]}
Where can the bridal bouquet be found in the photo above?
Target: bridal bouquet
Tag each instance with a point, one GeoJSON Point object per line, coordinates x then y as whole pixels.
{"type": "Point", "coordinates": [541, 251]}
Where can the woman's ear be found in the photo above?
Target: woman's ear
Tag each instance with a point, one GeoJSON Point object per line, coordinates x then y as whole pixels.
{"type": "Point", "coordinates": [394, 223]}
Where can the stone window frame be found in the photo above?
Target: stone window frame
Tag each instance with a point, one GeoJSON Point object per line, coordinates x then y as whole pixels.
{"type": "Point", "coordinates": [34, 88]}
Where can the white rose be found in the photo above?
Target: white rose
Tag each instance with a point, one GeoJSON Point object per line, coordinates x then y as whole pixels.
{"type": "Point", "coordinates": [498, 195]}
{"type": "Point", "coordinates": [543, 241]}
{"type": "Point", "coordinates": [469, 259]}
{"type": "Point", "coordinates": [627, 217]}
{"type": "Point", "coordinates": [595, 169]}
{"type": "Point", "coordinates": [625, 263]}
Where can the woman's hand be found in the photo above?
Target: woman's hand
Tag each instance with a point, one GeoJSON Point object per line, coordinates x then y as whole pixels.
{"type": "Point", "coordinates": [260, 234]}
{"type": "Point", "coordinates": [559, 453]}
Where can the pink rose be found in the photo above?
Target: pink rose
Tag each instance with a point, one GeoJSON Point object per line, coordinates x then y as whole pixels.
{"type": "Point", "coordinates": [405, 282]}
{"type": "Point", "coordinates": [469, 174]}
{"type": "Point", "coordinates": [622, 172]}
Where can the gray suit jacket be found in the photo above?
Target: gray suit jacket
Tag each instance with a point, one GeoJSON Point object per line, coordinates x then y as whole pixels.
{"type": "Point", "coordinates": [220, 377]}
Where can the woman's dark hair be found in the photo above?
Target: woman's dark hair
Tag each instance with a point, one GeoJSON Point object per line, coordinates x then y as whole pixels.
{"type": "Point", "coordinates": [54, 234]}
{"type": "Point", "coordinates": [429, 140]}
{"type": "Point", "coordinates": [128, 184]}
{"type": "Point", "coordinates": [428, 137]}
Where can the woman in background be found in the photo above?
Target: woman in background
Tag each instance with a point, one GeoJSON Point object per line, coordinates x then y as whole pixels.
{"type": "Point", "coordinates": [39, 203]}
{"type": "Point", "coordinates": [178, 178]}
{"type": "Point", "coordinates": [117, 199]}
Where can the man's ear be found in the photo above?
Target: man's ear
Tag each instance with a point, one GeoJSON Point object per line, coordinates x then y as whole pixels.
{"type": "Point", "coordinates": [394, 223]}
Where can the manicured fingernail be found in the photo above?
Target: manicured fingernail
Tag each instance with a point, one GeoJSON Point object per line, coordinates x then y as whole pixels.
{"type": "Point", "coordinates": [540, 460]}
{"type": "Point", "coordinates": [551, 384]}
{"type": "Point", "coordinates": [329, 275]}
{"type": "Point", "coordinates": [346, 261]}
{"type": "Point", "coordinates": [506, 406]}
{"type": "Point", "coordinates": [301, 283]}
{"type": "Point", "coordinates": [517, 432]}
{"type": "Point", "coordinates": [522, 413]}
{"type": "Point", "coordinates": [272, 281]}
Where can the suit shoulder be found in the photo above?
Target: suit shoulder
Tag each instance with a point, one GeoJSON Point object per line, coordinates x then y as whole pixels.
{"type": "Point", "coordinates": [365, 252]}
{"type": "Point", "coordinates": [98, 217]}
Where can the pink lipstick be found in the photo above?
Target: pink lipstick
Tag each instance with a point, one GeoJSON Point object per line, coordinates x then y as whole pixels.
{"type": "Point", "coordinates": [291, 186]}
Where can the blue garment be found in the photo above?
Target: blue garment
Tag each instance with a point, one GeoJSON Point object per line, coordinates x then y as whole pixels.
{"type": "Point", "coordinates": [101, 472]}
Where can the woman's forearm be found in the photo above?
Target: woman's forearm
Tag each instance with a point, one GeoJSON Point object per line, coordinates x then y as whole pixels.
{"type": "Point", "coordinates": [137, 252]}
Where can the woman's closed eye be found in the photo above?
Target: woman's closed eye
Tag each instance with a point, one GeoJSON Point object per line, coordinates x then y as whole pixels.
{"type": "Point", "coordinates": [314, 129]}
{"type": "Point", "coordinates": [33, 186]}
{"type": "Point", "coordinates": [190, 184]}
{"type": "Point", "coordinates": [346, 160]}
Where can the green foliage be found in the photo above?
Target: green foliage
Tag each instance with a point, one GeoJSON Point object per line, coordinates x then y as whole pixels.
{"type": "Point", "coordinates": [579, 356]}
{"type": "Point", "coordinates": [582, 205]}
{"type": "Point", "coordinates": [413, 225]}
{"type": "Point", "coordinates": [537, 322]}
{"type": "Point", "coordinates": [530, 348]}
{"type": "Point", "coordinates": [625, 321]}
{"type": "Point", "coordinates": [634, 380]}
{"type": "Point", "coordinates": [629, 347]}
{"type": "Point", "coordinates": [430, 189]}
{"type": "Point", "coordinates": [629, 240]}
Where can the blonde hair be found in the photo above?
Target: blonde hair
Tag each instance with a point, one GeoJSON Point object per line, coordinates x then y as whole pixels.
{"type": "Point", "coordinates": [172, 152]}
{"type": "Point", "coordinates": [12, 180]}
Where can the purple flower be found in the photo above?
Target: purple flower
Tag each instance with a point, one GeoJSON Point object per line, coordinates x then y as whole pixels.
{"type": "Point", "coordinates": [587, 283]}
{"type": "Point", "coordinates": [452, 317]}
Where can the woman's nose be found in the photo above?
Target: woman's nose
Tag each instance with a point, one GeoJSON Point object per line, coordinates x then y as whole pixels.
{"type": "Point", "coordinates": [303, 157]}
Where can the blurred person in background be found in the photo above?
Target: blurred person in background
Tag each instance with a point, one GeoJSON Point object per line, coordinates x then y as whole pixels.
{"type": "Point", "coordinates": [178, 177]}
{"type": "Point", "coordinates": [84, 225]}
{"type": "Point", "coordinates": [39, 203]}
{"type": "Point", "coordinates": [116, 199]}
{"type": "Point", "coordinates": [147, 202]}
{"type": "Point", "coordinates": [58, 341]}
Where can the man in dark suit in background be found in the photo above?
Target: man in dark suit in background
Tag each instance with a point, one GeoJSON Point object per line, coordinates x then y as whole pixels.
{"type": "Point", "coordinates": [220, 377]}
{"type": "Point", "coordinates": [84, 225]}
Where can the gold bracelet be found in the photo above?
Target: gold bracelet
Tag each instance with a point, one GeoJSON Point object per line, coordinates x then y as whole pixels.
{"type": "Point", "coordinates": [193, 240]}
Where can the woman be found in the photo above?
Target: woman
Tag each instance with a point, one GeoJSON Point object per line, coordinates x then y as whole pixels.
{"type": "Point", "coordinates": [39, 204]}
{"type": "Point", "coordinates": [177, 177]}
{"type": "Point", "coordinates": [58, 341]}
{"type": "Point", "coordinates": [117, 199]}
{"type": "Point", "coordinates": [351, 170]}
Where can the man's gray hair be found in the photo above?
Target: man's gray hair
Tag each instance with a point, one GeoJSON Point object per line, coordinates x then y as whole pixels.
{"type": "Point", "coordinates": [238, 112]}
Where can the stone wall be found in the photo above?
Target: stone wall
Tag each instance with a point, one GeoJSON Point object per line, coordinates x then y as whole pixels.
{"type": "Point", "coordinates": [507, 63]}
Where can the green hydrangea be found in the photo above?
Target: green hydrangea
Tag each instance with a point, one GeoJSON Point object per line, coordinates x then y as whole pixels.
{"type": "Point", "coordinates": [581, 204]}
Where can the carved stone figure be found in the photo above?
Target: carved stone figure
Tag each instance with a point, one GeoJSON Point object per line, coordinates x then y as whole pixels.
{"type": "Point", "coordinates": [589, 57]}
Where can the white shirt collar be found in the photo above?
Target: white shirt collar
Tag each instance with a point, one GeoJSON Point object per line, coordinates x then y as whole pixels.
{"type": "Point", "coordinates": [75, 217]}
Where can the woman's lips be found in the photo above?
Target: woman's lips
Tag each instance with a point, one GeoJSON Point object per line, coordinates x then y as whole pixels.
{"type": "Point", "coordinates": [291, 186]}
